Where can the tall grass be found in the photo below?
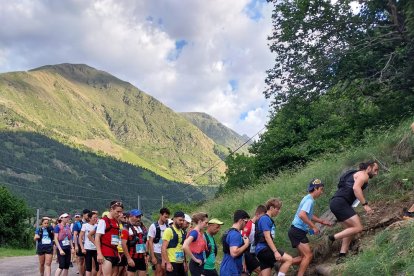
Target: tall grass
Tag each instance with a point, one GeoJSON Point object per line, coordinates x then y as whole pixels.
{"type": "Point", "coordinates": [290, 185]}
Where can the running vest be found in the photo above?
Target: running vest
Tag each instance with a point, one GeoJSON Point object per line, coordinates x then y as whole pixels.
{"type": "Point", "coordinates": [158, 231]}
{"type": "Point", "coordinates": [174, 241]}
{"type": "Point", "coordinates": [226, 246]}
{"type": "Point", "coordinates": [110, 239]}
{"type": "Point", "coordinates": [64, 232]}
{"type": "Point", "coordinates": [198, 246]}
{"type": "Point", "coordinates": [49, 230]}
{"type": "Point", "coordinates": [346, 186]}
{"type": "Point", "coordinates": [136, 242]}
{"type": "Point", "coordinates": [209, 245]}
{"type": "Point", "coordinates": [259, 234]}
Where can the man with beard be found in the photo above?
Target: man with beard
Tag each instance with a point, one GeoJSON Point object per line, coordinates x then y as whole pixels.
{"type": "Point", "coordinates": [349, 195]}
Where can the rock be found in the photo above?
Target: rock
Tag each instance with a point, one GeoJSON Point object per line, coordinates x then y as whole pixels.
{"type": "Point", "coordinates": [324, 270]}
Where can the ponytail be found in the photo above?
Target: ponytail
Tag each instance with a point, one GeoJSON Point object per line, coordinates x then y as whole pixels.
{"type": "Point", "coordinates": [364, 165]}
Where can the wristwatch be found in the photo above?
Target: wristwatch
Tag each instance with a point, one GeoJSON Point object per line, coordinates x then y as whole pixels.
{"type": "Point", "coordinates": [366, 203]}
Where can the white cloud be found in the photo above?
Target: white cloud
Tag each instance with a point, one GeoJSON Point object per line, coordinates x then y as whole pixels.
{"type": "Point", "coordinates": [136, 41]}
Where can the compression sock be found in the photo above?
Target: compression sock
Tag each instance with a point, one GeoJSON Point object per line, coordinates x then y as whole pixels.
{"type": "Point", "coordinates": [342, 255]}
{"type": "Point", "coordinates": [331, 238]}
{"type": "Point", "coordinates": [281, 274]}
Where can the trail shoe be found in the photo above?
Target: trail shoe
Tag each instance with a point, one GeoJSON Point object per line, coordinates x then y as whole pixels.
{"type": "Point", "coordinates": [341, 260]}
{"type": "Point", "coordinates": [408, 215]}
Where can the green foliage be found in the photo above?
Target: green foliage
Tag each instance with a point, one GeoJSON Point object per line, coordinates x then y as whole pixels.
{"type": "Point", "coordinates": [14, 252]}
{"type": "Point", "coordinates": [240, 172]}
{"type": "Point", "coordinates": [15, 231]}
{"type": "Point", "coordinates": [66, 179]}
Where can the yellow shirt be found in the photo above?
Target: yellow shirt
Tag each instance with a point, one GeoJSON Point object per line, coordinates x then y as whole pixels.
{"type": "Point", "coordinates": [175, 255]}
{"type": "Point", "coordinates": [120, 250]}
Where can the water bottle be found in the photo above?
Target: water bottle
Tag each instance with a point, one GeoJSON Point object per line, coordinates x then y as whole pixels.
{"type": "Point", "coordinates": [311, 232]}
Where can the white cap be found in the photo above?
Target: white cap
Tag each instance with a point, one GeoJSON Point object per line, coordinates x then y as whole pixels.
{"type": "Point", "coordinates": [187, 218]}
{"type": "Point", "coordinates": [170, 221]}
{"type": "Point", "coordinates": [64, 215]}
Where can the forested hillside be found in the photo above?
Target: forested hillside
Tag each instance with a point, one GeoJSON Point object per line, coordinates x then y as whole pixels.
{"type": "Point", "coordinates": [79, 105]}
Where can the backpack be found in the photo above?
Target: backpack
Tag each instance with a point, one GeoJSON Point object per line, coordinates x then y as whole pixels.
{"type": "Point", "coordinates": [344, 179]}
{"type": "Point", "coordinates": [174, 241]}
{"type": "Point", "coordinates": [226, 246]}
{"type": "Point", "coordinates": [209, 245]}
{"type": "Point", "coordinates": [49, 230]}
{"type": "Point", "coordinates": [258, 234]}
{"type": "Point", "coordinates": [64, 233]}
{"type": "Point", "coordinates": [157, 232]}
{"type": "Point", "coordinates": [108, 222]}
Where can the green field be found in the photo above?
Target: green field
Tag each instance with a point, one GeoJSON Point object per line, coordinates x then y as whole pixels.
{"type": "Point", "coordinates": [14, 252]}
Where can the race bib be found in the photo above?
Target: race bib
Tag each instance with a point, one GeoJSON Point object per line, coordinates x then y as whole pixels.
{"type": "Point", "coordinates": [115, 240]}
{"type": "Point", "coordinates": [140, 248]}
{"type": "Point", "coordinates": [179, 257]}
{"type": "Point", "coordinates": [46, 240]}
{"type": "Point", "coordinates": [65, 242]}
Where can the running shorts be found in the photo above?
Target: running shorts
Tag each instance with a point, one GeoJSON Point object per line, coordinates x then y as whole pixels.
{"type": "Point", "coordinates": [341, 209]}
{"type": "Point", "coordinates": [267, 258]}
{"type": "Point", "coordinates": [297, 236]}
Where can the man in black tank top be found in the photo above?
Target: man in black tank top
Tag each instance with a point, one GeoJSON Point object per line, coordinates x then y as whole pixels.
{"type": "Point", "coordinates": [349, 195]}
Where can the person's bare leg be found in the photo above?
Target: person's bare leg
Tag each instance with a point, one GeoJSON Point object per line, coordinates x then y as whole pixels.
{"type": "Point", "coordinates": [42, 264]}
{"type": "Point", "coordinates": [352, 226]}
{"type": "Point", "coordinates": [58, 271]}
{"type": "Point", "coordinates": [306, 252]}
{"type": "Point", "coordinates": [411, 210]}
{"type": "Point", "coordinates": [286, 263]}
{"type": "Point", "coordinates": [106, 268]}
{"type": "Point", "coordinates": [267, 272]}
{"type": "Point", "coordinates": [48, 264]}
{"type": "Point", "coordinates": [65, 272]}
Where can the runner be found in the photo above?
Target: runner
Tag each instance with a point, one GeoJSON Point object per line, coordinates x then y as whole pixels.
{"type": "Point", "coordinates": [120, 268]}
{"type": "Point", "coordinates": [266, 250]}
{"type": "Point", "coordinates": [172, 247]}
{"type": "Point", "coordinates": [80, 257]}
{"type": "Point", "coordinates": [44, 237]}
{"type": "Point", "coordinates": [88, 245]}
{"type": "Point", "coordinates": [303, 224]}
{"type": "Point", "coordinates": [155, 233]}
{"type": "Point", "coordinates": [107, 238]}
{"type": "Point", "coordinates": [186, 224]}
{"type": "Point", "coordinates": [350, 194]}
{"type": "Point", "coordinates": [234, 245]}
{"type": "Point", "coordinates": [210, 264]}
{"type": "Point", "coordinates": [195, 245]}
{"type": "Point", "coordinates": [133, 244]}
{"type": "Point", "coordinates": [62, 237]}
{"type": "Point", "coordinates": [252, 263]}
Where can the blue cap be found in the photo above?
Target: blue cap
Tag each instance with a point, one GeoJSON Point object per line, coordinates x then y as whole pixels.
{"type": "Point", "coordinates": [135, 213]}
{"type": "Point", "coordinates": [315, 183]}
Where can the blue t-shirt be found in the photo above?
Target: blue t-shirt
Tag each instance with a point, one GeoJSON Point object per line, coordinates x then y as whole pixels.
{"type": "Point", "coordinates": [77, 227]}
{"type": "Point", "coordinates": [65, 243]}
{"type": "Point", "coordinates": [200, 256]}
{"type": "Point", "coordinates": [45, 241]}
{"type": "Point", "coordinates": [305, 205]}
{"type": "Point", "coordinates": [265, 223]}
{"type": "Point", "coordinates": [232, 266]}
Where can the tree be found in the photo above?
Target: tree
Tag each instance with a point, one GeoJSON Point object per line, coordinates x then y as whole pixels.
{"type": "Point", "coordinates": [15, 230]}
{"type": "Point", "coordinates": [240, 171]}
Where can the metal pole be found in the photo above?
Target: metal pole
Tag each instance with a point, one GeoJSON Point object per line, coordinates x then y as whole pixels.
{"type": "Point", "coordinates": [37, 222]}
{"type": "Point", "coordinates": [139, 202]}
{"type": "Point", "coordinates": [162, 201]}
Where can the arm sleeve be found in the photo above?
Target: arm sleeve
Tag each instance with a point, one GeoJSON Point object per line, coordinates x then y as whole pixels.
{"type": "Point", "coordinates": [56, 230]}
{"type": "Point", "coordinates": [307, 206]}
{"type": "Point", "coordinates": [152, 231]}
{"type": "Point", "coordinates": [125, 234]}
{"type": "Point", "coordinates": [265, 224]}
{"type": "Point", "coordinates": [84, 227]}
{"type": "Point", "coordinates": [193, 234]}
{"type": "Point", "coordinates": [168, 235]}
{"type": "Point", "coordinates": [234, 238]}
{"type": "Point", "coordinates": [101, 227]}
{"type": "Point", "coordinates": [37, 231]}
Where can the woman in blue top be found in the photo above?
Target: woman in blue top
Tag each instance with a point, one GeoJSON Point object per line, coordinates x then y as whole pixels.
{"type": "Point", "coordinates": [44, 238]}
{"type": "Point", "coordinates": [303, 223]}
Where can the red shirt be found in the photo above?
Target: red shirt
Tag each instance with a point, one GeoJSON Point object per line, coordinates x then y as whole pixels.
{"type": "Point", "coordinates": [247, 229]}
{"type": "Point", "coordinates": [109, 249]}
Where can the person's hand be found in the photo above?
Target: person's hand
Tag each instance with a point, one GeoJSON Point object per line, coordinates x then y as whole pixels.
{"type": "Point", "coordinates": [100, 258]}
{"type": "Point", "coordinates": [185, 267]}
{"type": "Point", "coordinates": [131, 262]}
{"type": "Point", "coordinates": [200, 262]}
{"type": "Point", "coordinates": [169, 267]}
{"type": "Point", "coordinates": [62, 252]}
{"type": "Point", "coordinates": [368, 210]}
{"type": "Point", "coordinates": [316, 230]}
{"type": "Point", "coordinates": [84, 251]}
{"type": "Point", "coordinates": [278, 257]}
{"type": "Point", "coordinates": [244, 267]}
{"type": "Point", "coordinates": [246, 240]}
{"type": "Point", "coordinates": [327, 223]}
{"type": "Point", "coordinates": [154, 260]}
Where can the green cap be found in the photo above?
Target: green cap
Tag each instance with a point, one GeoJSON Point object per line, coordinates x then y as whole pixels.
{"type": "Point", "coordinates": [215, 221]}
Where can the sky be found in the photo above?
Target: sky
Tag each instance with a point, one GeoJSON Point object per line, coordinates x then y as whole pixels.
{"type": "Point", "coordinates": [193, 55]}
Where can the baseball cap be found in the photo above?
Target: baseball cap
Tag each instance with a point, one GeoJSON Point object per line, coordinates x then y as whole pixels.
{"type": "Point", "coordinates": [187, 218]}
{"type": "Point", "coordinates": [170, 221]}
{"type": "Point", "coordinates": [215, 221]}
{"type": "Point", "coordinates": [77, 216]}
{"type": "Point", "coordinates": [179, 214]}
{"type": "Point", "coordinates": [135, 213]}
{"type": "Point", "coordinates": [64, 215]}
{"type": "Point", "coordinates": [240, 214]}
{"type": "Point", "coordinates": [315, 183]}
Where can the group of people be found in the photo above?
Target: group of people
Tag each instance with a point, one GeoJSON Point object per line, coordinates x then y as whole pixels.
{"type": "Point", "coordinates": [118, 243]}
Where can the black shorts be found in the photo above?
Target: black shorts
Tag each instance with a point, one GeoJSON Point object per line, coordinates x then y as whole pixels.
{"type": "Point", "coordinates": [139, 265]}
{"type": "Point", "coordinates": [124, 261]}
{"type": "Point", "coordinates": [297, 236]}
{"type": "Point", "coordinates": [251, 261]}
{"type": "Point", "coordinates": [341, 209]}
{"type": "Point", "coordinates": [178, 270]}
{"type": "Point", "coordinates": [91, 256]}
{"type": "Point", "coordinates": [64, 260]}
{"type": "Point", "coordinates": [79, 252]}
{"type": "Point", "coordinates": [195, 268]}
{"type": "Point", "coordinates": [42, 250]}
{"type": "Point", "coordinates": [210, 272]}
{"type": "Point", "coordinates": [159, 258]}
{"type": "Point", "coordinates": [267, 258]}
{"type": "Point", "coordinates": [114, 260]}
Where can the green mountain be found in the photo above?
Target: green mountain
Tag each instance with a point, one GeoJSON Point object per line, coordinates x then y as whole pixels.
{"type": "Point", "coordinates": [224, 137]}
{"type": "Point", "coordinates": [78, 105]}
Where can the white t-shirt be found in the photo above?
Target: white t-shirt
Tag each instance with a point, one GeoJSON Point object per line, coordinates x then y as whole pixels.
{"type": "Point", "coordinates": [152, 232]}
{"type": "Point", "coordinates": [101, 227]}
{"type": "Point", "coordinates": [86, 227]}
{"type": "Point", "coordinates": [251, 238]}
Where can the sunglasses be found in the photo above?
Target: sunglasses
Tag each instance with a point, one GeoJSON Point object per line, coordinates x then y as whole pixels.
{"type": "Point", "coordinates": [117, 204]}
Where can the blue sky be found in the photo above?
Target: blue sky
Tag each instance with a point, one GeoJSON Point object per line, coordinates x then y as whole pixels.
{"type": "Point", "coordinates": [192, 55]}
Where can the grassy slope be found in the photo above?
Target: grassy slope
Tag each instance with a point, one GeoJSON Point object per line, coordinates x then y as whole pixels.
{"type": "Point", "coordinates": [218, 132]}
{"type": "Point", "coordinates": [14, 252]}
{"type": "Point", "coordinates": [290, 186]}
{"type": "Point", "coordinates": [79, 104]}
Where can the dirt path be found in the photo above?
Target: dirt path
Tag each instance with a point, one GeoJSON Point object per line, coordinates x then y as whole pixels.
{"type": "Point", "coordinates": [27, 265]}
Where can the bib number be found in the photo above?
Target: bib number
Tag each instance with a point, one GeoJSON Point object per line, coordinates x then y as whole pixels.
{"type": "Point", "coordinates": [140, 248]}
{"type": "Point", "coordinates": [65, 242]}
{"type": "Point", "coordinates": [179, 257]}
{"type": "Point", "coordinates": [46, 240]}
{"type": "Point", "coordinates": [115, 240]}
